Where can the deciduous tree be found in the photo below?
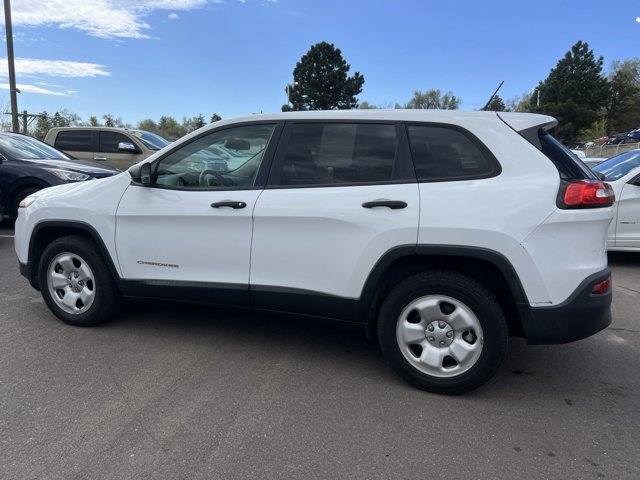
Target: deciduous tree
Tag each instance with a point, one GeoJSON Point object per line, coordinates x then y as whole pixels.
{"type": "Point", "coordinates": [623, 106]}
{"type": "Point", "coordinates": [433, 99]}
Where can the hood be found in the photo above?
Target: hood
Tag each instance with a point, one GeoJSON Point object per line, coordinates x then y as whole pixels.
{"type": "Point", "coordinates": [94, 169]}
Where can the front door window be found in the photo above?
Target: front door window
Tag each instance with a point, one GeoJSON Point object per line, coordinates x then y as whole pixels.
{"type": "Point", "coordinates": [224, 159]}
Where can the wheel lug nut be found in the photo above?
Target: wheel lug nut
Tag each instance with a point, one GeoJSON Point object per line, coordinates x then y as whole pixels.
{"type": "Point", "coordinates": [441, 324]}
{"type": "Point", "coordinates": [442, 342]}
{"type": "Point", "coordinates": [430, 328]}
{"type": "Point", "coordinates": [449, 334]}
{"type": "Point", "coordinates": [431, 339]}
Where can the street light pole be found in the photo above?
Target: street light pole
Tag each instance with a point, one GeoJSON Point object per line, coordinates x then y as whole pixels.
{"type": "Point", "coordinates": [12, 72]}
{"type": "Point", "coordinates": [289, 87]}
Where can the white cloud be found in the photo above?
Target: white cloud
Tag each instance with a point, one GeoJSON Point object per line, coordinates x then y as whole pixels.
{"type": "Point", "coordinates": [173, 16]}
{"type": "Point", "coordinates": [100, 18]}
{"type": "Point", "coordinates": [32, 89]}
{"type": "Point", "coordinates": [54, 68]}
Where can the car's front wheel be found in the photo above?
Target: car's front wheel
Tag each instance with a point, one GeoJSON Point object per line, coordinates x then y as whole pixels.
{"type": "Point", "coordinates": [75, 282]}
{"type": "Point", "coordinates": [443, 332]}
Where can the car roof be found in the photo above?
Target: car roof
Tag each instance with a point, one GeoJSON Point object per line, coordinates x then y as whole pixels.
{"type": "Point", "coordinates": [110, 129]}
{"type": "Point", "coordinates": [518, 121]}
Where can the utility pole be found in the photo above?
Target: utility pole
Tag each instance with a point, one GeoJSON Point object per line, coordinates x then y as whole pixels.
{"type": "Point", "coordinates": [27, 118]}
{"type": "Point", "coordinates": [12, 71]}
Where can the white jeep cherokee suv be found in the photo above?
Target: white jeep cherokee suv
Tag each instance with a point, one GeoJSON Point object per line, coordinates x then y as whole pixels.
{"type": "Point", "coordinates": [442, 232]}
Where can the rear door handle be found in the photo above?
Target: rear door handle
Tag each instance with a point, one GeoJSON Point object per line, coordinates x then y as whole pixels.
{"type": "Point", "coordinates": [229, 203]}
{"type": "Point", "coordinates": [392, 204]}
{"type": "Point", "coordinates": [100, 159]}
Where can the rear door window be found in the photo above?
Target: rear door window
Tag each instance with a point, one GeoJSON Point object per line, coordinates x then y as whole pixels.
{"type": "Point", "coordinates": [75, 140]}
{"type": "Point", "coordinates": [442, 153]}
{"type": "Point", "coordinates": [339, 154]}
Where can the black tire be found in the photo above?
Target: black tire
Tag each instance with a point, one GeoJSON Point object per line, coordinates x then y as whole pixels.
{"type": "Point", "coordinates": [21, 195]}
{"type": "Point", "coordinates": [106, 299]}
{"type": "Point", "coordinates": [467, 293]}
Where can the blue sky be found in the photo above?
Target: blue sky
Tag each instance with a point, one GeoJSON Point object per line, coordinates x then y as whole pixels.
{"type": "Point", "coordinates": [142, 59]}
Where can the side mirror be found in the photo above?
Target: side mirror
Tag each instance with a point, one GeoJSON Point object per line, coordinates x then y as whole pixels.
{"type": "Point", "coordinates": [145, 174]}
{"type": "Point", "coordinates": [127, 147]}
{"type": "Point", "coordinates": [141, 173]}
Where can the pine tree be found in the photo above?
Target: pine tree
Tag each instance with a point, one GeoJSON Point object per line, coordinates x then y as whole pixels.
{"type": "Point", "coordinates": [575, 92]}
{"type": "Point", "coordinates": [321, 81]}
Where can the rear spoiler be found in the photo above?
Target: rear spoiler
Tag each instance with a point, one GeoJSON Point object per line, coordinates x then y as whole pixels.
{"type": "Point", "coordinates": [528, 124]}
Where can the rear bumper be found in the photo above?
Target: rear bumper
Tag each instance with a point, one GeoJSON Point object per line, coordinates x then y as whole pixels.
{"type": "Point", "coordinates": [583, 314]}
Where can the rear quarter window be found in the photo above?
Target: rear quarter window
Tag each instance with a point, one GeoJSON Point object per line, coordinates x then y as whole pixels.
{"type": "Point", "coordinates": [569, 166]}
{"type": "Point", "coordinates": [443, 153]}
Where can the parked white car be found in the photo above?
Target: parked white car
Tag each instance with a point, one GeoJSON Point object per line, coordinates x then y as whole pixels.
{"type": "Point", "coordinates": [622, 172]}
{"type": "Point", "coordinates": [441, 232]}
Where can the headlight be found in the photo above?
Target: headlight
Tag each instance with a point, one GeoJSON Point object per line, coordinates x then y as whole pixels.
{"type": "Point", "coordinates": [27, 201]}
{"type": "Point", "coordinates": [68, 176]}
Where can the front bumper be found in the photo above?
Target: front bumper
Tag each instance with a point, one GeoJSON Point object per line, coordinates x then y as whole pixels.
{"type": "Point", "coordinates": [583, 314]}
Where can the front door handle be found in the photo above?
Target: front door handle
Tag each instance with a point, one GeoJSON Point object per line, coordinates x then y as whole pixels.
{"type": "Point", "coordinates": [100, 159]}
{"type": "Point", "coordinates": [392, 204]}
{"type": "Point", "coordinates": [229, 203]}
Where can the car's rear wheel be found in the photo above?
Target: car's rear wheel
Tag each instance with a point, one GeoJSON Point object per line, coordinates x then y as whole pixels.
{"type": "Point", "coordinates": [75, 282]}
{"type": "Point", "coordinates": [443, 332]}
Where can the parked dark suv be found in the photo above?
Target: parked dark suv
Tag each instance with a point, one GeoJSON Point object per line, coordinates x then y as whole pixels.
{"type": "Point", "coordinates": [28, 165]}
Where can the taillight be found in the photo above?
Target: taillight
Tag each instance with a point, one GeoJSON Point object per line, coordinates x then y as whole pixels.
{"type": "Point", "coordinates": [585, 194]}
{"type": "Point", "coordinates": [601, 287]}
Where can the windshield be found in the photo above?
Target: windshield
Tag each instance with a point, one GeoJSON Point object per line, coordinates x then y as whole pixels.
{"type": "Point", "coordinates": [150, 140]}
{"type": "Point", "coordinates": [27, 148]}
{"type": "Point", "coordinates": [618, 166]}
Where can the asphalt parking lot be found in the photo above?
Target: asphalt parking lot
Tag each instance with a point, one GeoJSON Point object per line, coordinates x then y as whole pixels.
{"type": "Point", "coordinates": [184, 392]}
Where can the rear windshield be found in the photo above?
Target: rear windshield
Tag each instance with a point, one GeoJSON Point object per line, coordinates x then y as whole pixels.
{"type": "Point", "coordinates": [569, 166]}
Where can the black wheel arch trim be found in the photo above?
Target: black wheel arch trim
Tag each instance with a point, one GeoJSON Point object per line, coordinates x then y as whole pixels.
{"type": "Point", "coordinates": [367, 301]}
{"type": "Point", "coordinates": [32, 268]}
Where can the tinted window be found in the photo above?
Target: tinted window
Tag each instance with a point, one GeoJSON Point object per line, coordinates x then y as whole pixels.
{"type": "Point", "coordinates": [339, 153]}
{"type": "Point", "coordinates": [569, 166]}
{"type": "Point", "coordinates": [441, 153]}
{"type": "Point", "coordinates": [109, 142]}
{"type": "Point", "coordinates": [74, 140]}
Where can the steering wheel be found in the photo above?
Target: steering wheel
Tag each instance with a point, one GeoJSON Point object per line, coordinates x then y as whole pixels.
{"type": "Point", "coordinates": [203, 182]}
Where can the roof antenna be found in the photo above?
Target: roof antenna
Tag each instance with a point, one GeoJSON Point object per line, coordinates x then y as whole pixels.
{"type": "Point", "coordinates": [494, 94]}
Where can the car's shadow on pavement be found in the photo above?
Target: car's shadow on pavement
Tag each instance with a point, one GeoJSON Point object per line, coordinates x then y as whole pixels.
{"type": "Point", "coordinates": [556, 371]}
